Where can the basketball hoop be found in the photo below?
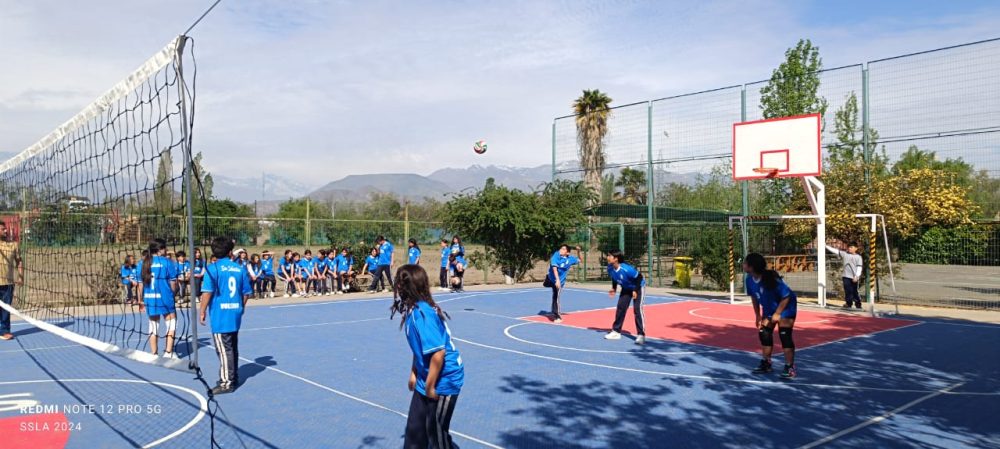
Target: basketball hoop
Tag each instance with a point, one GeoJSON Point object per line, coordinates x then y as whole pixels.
{"type": "Point", "coordinates": [769, 172]}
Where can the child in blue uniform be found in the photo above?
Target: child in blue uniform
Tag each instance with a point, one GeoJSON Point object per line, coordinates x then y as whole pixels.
{"type": "Point", "coordinates": [456, 246]}
{"type": "Point", "coordinates": [183, 278]}
{"type": "Point", "coordinates": [307, 271]}
{"type": "Point", "coordinates": [286, 273]}
{"type": "Point", "coordinates": [371, 263]}
{"type": "Point", "coordinates": [385, 261]}
{"type": "Point", "coordinates": [771, 296]}
{"type": "Point", "coordinates": [226, 290]}
{"type": "Point", "coordinates": [159, 283]}
{"type": "Point", "coordinates": [456, 265]}
{"type": "Point", "coordinates": [633, 289]}
{"type": "Point", "coordinates": [129, 279]}
{"type": "Point", "coordinates": [437, 373]}
{"type": "Point", "coordinates": [559, 265]}
{"type": "Point", "coordinates": [197, 272]}
{"type": "Point", "coordinates": [266, 275]}
{"type": "Point", "coordinates": [344, 270]}
{"type": "Point", "coordinates": [322, 271]}
{"type": "Point", "coordinates": [445, 252]}
{"type": "Point", "coordinates": [414, 252]}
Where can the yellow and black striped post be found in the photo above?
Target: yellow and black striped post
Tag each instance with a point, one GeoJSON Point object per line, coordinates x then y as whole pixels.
{"type": "Point", "coordinates": [871, 269]}
{"type": "Point", "coordinates": [732, 265]}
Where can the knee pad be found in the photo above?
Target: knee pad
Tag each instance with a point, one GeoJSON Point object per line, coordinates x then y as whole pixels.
{"type": "Point", "coordinates": [154, 327]}
{"type": "Point", "coordinates": [766, 336]}
{"type": "Point", "coordinates": [785, 334]}
{"type": "Point", "coordinates": [171, 325]}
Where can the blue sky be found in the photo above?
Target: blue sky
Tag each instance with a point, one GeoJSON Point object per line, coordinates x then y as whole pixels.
{"type": "Point", "coordinates": [317, 90]}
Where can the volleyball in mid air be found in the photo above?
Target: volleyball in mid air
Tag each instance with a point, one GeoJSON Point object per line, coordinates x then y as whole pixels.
{"type": "Point", "coordinates": [479, 147]}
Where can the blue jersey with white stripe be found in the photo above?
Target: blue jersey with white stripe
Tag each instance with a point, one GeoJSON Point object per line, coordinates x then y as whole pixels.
{"type": "Point", "coordinates": [345, 263]}
{"type": "Point", "coordinates": [385, 253]}
{"type": "Point", "coordinates": [158, 291]}
{"type": "Point", "coordinates": [769, 299]}
{"type": "Point", "coordinates": [626, 276]}
{"type": "Point", "coordinates": [372, 263]}
{"type": "Point", "coordinates": [562, 264]}
{"type": "Point", "coordinates": [427, 334]}
{"type": "Point", "coordinates": [229, 283]}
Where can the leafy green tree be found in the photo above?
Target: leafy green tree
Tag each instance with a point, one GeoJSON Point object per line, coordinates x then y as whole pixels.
{"type": "Point", "coordinates": [792, 90]}
{"type": "Point", "coordinates": [592, 112]}
{"type": "Point", "coordinates": [290, 221]}
{"type": "Point", "coordinates": [518, 228]}
{"type": "Point", "coordinates": [630, 187]}
{"type": "Point", "coordinates": [960, 172]}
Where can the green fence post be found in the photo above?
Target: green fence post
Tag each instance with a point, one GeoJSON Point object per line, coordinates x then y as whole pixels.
{"type": "Point", "coordinates": [650, 215]}
{"type": "Point", "coordinates": [745, 185]}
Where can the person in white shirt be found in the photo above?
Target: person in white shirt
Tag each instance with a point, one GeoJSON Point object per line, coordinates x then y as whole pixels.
{"type": "Point", "coordinates": [853, 266]}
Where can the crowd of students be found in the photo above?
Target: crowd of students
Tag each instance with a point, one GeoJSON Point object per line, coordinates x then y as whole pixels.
{"type": "Point", "coordinates": [330, 272]}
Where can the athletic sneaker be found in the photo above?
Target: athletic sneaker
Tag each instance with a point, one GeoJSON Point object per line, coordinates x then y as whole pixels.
{"type": "Point", "coordinates": [789, 372]}
{"type": "Point", "coordinates": [7, 336]}
{"type": "Point", "coordinates": [613, 336]}
{"type": "Point", "coordinates": [557, 320]}
{"type": "Point", "coordinates": [218, 389]}
{"type": "Point", "coordinates": [763, 368]}
{"type": "Point", "coordinates": [857, 306]}
{"type": "Point", "coordinates": [640, 340]}
{"type": "Point", "coordinates": [270, 295]}
{"type": "Point", "coordinates": [170, 355]}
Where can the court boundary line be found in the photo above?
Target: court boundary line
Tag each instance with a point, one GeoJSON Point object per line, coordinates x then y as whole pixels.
{"type": "Point", "coordinates": [866, 335]}
{"type": "Point", "coordinates": [880, 418]}
{"type": "Point", "coordinates": [202, 402]}
{"type": "Point", "coordinates": [788, 384]}
{"type": "Point", "coordinates": [296, 326]}
{"type": "Point", "coordinates": [692, 313]}
{"type": "Point", "coordinates": [506, 332]}
{"type": "Point", "coordinates": [386, 298]}
{"type": "Point", "coordinates": [358, 399]}
{"type": "Point", "coordinates": [43, 348]}
{"type": "Point", "coordinates": [644, 305]}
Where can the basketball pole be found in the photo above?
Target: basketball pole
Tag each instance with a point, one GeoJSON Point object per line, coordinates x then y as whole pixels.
{"type": "Point", "coordinates": [817, 201]}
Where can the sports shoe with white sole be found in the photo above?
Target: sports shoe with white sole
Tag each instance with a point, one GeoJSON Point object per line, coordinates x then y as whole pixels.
{"type": "Point", "coordinates": [640, 340]}
{"type": "Point", "coordinates": [613, 336]}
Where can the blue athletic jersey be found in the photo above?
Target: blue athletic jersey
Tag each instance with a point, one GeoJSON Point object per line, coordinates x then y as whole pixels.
{"type": "Point", "coordinates": [769, 299]}
{"type": "Point", "coordinates": [562, 264]}
{"type": "Point", "coordinates": [334, 263]}
{"type": "Point", "coordinates": [414, 254]}
{"type": "Point", "coordinates": [305, 267]}
{"type": "Point", "coordinates": [445, 252]}
{"type": "Point", "coordinates": [199, 265]}
{"type": "Point", "coordinates": [372, 262]}
{"type": "Point", "coordinates": [457, 249]}
{"type": "Point", "coordinates": [626, 276]}
{"type": "Point", "coordinates": [127, 274]}
{"type": "Point", "coordinates": [184, 268]}
{"type": "Point", "coordinates": [427, 334]}
{"type": "Point", "coordinates": [158, 291]}
{"type": "Point", "coordinates": [267, 267]}
{"type": "Point", "coordinates": [229, 283]}
{"type": "Point", "coordinates": [385, 253]}
{"type": "Point", "coordinates": [322, 264]}
{"type": "Point", "coordinates": [345, 263]}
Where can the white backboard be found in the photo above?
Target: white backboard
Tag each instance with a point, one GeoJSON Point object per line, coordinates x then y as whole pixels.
{"type": "Point", "coordinates": [789, 144]}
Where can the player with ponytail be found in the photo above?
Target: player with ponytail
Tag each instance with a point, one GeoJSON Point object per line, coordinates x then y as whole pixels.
{"type": "Point", "coordinates": [159, 285]}
{"type": "Point", "coordinates": [770, 294]}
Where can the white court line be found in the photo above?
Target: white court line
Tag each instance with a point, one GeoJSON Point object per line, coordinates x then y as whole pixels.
{"type": "Point", "coordinates": [296, 326]}
{"type": "Point", "coordinates": [692, 313]}
{"type": "Point", "coordinates": [202, 402]}
{"type": "Point", "coordinates": [355, 398]}
{"type": "Point", "coordinates": [786, 384]}
{"type": "Point", "coordinates": [638, 350]}
{"type": "Point", "coordinates": [388, 298]}
{"type": "Point", "coordinates": [880, 418]}
{"type": "Point", "coordinates": [983, 326]}
{"type": "Point", "coordinates": [850, 337]}
{"type": "Point", "coordinates": [43, 348]}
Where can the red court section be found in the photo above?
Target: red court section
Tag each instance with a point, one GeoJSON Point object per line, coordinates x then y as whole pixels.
{"type": "Point", "coordinates": [729, 326]}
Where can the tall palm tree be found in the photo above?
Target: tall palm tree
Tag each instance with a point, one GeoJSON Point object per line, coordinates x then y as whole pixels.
{"type": "Point", "coordinates": [592, 113]}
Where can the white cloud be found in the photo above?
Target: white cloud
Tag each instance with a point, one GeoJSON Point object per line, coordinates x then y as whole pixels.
{"type": "Point", "coordinates": [319, 90]}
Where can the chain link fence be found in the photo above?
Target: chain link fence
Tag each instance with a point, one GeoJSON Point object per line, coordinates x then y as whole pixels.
{"type": "Point", "coordinates": [930, 118]}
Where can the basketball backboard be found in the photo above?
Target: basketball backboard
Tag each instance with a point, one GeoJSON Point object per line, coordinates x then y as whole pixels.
{"type": "Point", "coordinates": [786, 147]}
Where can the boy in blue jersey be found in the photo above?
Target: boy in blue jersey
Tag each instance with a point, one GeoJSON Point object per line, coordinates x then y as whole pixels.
{"type": "Point", "coordinates": [158, 288]}
{"type": "Point", "coordinates": [633, 289]}
{"type": "Point", "coordinates": [226, 290]}
{"type": "Point", "coordinates": [266, 275]}
{"type": "Point", "coordinates": [445, 252]}
{"type": "Point", "coordinates": [129, 279]}
{"type": "Point", "coordinates": [559, 265]}
{"type": "Point", "coordinates": [414, 252]}
{"type": "Point", "coordinates": [385, 261]}
{"type": "Point", "coordinates": [437, 372]}
{"type": "Point", "coordinates": [768, 292]}
{"type": "Point", "coordinates": [345, 270]}
{"type": "Point", "coordinates": [183, 277]}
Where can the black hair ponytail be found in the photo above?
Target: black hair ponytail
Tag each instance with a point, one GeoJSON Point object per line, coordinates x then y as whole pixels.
{"type": "Point", "coordinates": [147, 262]}
{"type": "Point", "coordinates": [757, 263]}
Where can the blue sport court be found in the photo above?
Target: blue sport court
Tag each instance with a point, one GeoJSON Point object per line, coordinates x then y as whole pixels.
{"type": "Point", "coordinates": [332, 374]}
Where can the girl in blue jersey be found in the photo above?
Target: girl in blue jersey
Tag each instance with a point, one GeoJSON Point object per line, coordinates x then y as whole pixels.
{"type": "Point", "coordinates": [197, 272]}
{"type": "Point", "coordinates": [159, 283]}
{"type": "Point", "coordinates": [371, 263]}
{"type": "Point", "coordinates": [633, 290]}
{"type": "Point", "coordinates": [456, 246]}
{"type": "Point", "coordinates": [445, 252]}
{"type": "Point", "coordinates": [322, 269]}
{"type": "Point", "coordinates": [414, 252]}
{"type": "Point", "coordinates": [437, 373]}
{"type": "Point", "coordinates": [559, 266]}
{"type": "Point", "coordinates": [286, 273]}
{"type": "Point", "coordinates": [345, 270]}
{"type": "Point", "coordinates": [295, 266]}
{"type": "Point", "coordinates": [227, 288]}
{"type": "Point", "coordinates": [183, 277]}
{"type": "Point", "coordinates": [266, 275]}
{"type": "Point", "coordinates": [456, 265]}
{"type": "Point", "coordinates": [774, 304]}
{"type": "Point", "coordinates": [129, 279]}
{"type": "Point", "coordinates": [253, 270]}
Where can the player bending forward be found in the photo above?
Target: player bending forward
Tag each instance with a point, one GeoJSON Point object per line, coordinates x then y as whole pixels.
{"type": "Point", "coordinates": [224, 294]}
{"type": "Point", "coordinates": [770, 294]}
{"type": "Point", "coordinates": [633, 289]}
